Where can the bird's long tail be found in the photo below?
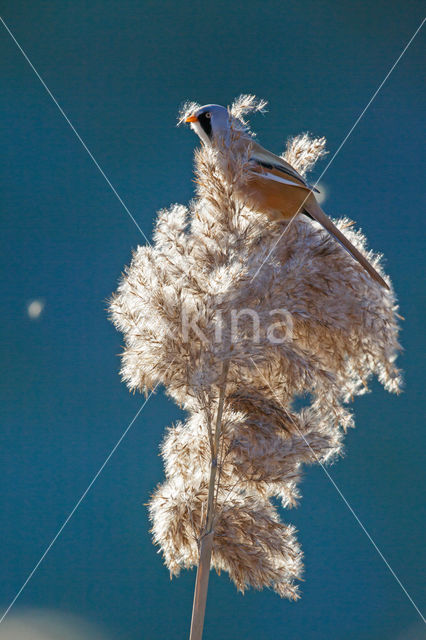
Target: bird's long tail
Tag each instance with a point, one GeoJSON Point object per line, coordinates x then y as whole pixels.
{"type": "Point", "coordinates": [314, 210]}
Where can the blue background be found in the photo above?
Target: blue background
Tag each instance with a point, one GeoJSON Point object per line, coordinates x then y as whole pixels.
{"type": "Point", "coordinates": [120, 70]}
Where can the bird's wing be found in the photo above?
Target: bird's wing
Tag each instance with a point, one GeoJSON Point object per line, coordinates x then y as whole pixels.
{"type": "Point", "coordinates": [277, 168]}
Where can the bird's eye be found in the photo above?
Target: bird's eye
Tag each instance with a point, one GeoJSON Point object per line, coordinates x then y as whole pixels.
{"type": "Point", "coordinates": [208, 114]}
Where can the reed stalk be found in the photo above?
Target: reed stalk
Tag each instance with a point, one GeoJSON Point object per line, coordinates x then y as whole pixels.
{"type": "Point", "coordinates": [206, 542]}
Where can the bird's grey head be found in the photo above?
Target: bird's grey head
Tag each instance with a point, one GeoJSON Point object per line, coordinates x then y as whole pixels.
{"type": "Point", "coordinates": [210, 123]}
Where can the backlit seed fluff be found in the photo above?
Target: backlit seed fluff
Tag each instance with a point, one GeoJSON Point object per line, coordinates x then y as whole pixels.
{"type": "Point", "coordinates": [209, 262]}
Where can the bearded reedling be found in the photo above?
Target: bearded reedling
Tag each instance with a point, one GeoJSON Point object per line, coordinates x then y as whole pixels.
{"type": "Point", "coordinates": [273, 186]}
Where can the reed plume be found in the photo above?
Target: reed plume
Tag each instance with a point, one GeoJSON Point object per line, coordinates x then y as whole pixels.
{"type": "Point", "coordinates": [238, 317]}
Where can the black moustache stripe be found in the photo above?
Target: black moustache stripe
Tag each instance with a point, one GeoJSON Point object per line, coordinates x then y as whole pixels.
{"type": "Point", "coordinates": [206, 124]}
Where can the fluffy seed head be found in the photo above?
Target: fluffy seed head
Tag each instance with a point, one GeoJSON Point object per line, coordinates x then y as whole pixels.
{"type": "Point", "coordinates": [292, 314]}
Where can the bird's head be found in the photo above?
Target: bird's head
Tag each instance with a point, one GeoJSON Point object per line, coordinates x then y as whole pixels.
{"type": "Point", "coordinates": [210, 123]}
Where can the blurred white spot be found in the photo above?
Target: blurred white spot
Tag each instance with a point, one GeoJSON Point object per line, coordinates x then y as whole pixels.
{"type": "Point", "coordinates": [35, 309]}
{"type": "Point", "coordinates": [47, 625]}
{"type": "Point", "coordinates": [323, 193]}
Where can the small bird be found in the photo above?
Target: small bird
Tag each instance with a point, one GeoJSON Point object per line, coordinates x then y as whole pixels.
{"type": "Point", "coordinates": [274, 187]}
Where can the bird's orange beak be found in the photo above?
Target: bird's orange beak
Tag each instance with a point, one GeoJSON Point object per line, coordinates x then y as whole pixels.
{"type": "Point", "coordinates": [191, 119]}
